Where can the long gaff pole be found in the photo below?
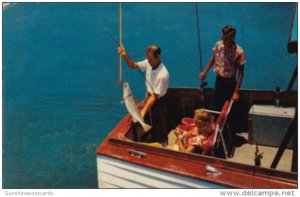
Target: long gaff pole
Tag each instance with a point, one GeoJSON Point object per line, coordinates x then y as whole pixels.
{"type": "Point", "coordinates": [120, 57]}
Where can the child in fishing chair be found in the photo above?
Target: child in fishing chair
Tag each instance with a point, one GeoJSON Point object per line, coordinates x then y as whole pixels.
{"type": "Point", "coordinates": [188, 141]}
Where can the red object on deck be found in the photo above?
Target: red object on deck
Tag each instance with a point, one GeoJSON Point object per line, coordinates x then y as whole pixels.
{"type": "Point", "coordinates": [188, 121]}
{"type": "Point", "coordinates": [186, 128]}
{"type": "Point", "coordinates": [187, 124]}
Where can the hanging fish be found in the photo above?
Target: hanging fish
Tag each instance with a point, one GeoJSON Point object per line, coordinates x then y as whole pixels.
{"type": "Point", "coordinates": [132, 107]}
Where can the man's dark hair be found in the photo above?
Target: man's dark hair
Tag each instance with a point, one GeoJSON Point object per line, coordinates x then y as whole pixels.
{"type": "Point", "coordinates": [155, 49]}
{"type": "Point", "coordinates": [229, 31]}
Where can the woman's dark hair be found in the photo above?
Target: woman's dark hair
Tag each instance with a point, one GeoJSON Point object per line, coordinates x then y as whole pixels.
{"type": "Point", "coordinates": [229, 31]}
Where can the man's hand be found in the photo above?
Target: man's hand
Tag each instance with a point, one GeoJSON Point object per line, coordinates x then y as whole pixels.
{"type": "Point", "coordinates": [121, 51]}
{"type": "Point", "coordinates": [202, 75]}
{"type": "Point", "coordinates": [150, 100]}
{"type": "Point", "coordinates": [143, 112]}
{"type": "Point", "coordinates": [235, 96]}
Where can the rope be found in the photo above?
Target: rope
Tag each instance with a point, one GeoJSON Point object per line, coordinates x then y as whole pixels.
{"type": "Point", "coordinates": [120, 57]}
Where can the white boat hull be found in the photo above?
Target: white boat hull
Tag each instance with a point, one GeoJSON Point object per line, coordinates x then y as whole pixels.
{"type": "Point", "coordinates": [115, 173]}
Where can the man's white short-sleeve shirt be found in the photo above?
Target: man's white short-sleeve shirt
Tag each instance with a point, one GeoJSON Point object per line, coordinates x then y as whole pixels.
{"type": "Point", "coordinates": [157, 79]}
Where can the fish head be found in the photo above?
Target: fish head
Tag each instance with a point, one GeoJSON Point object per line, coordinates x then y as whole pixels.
{"type": "Point", "coordinates": [126, 89]}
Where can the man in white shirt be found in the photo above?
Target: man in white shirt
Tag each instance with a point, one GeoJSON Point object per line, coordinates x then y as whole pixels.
{"type": "Point", "coordinates": [157, 82]}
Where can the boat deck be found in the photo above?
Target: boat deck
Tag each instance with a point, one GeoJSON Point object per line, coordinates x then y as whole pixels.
{"type": "Point", "coordinates": [245, 154]}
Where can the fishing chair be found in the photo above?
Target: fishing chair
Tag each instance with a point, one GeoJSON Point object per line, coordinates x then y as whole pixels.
{"type": "Point", "coordinates": [217, 136]}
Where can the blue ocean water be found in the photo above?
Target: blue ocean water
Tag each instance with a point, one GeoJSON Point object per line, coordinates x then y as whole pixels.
{"type": "Point", "coordinates": [60, 73]}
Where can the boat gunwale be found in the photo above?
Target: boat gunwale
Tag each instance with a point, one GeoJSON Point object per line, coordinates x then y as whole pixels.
{"type": "Point", "coordinates": [207, 160]}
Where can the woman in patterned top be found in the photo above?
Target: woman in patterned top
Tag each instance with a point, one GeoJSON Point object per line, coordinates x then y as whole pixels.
{"type": "Point", "coordinates": [198, 137]}
{"type": "Point", "coordinates": [228, 59]}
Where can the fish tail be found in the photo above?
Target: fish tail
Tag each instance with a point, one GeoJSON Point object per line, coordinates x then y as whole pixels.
{"type": "Point", "coordinates": [146, 127]}
{"type": "Point", "coordinates": [134, 120]}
